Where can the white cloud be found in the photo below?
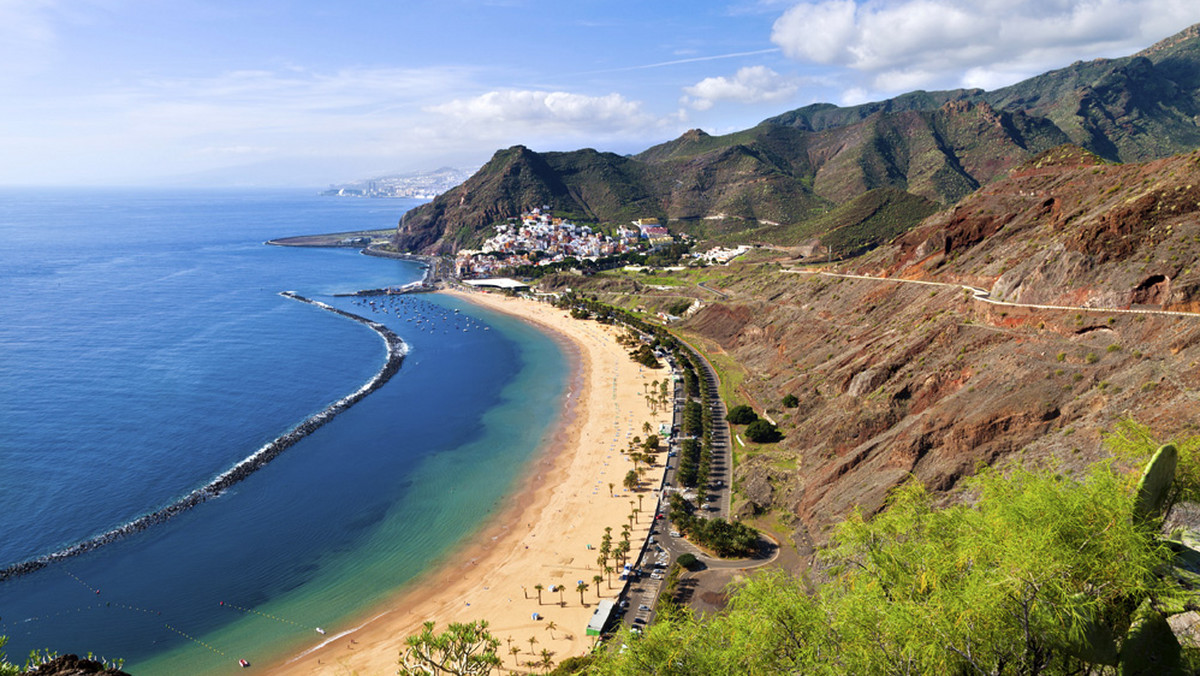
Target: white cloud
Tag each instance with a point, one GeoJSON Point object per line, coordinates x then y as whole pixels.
{"type": "Point", "coordinates": [753, 84]}
{"type": "Point", "coordinates": [500, 114]}
{"type": "Point", "coordinates": [897, 45]}
{"type": "Point", "coordinates": [300, 118]}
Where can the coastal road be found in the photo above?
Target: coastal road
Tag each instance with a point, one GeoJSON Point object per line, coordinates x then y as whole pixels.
{"type": "Point", "coordinates": [720, 480]}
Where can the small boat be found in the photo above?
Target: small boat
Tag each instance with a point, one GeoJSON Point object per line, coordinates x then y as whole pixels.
{"type": "Point", "coordinates": [244, 663]}
{"type": "Point", "coordinates": [320, 631]}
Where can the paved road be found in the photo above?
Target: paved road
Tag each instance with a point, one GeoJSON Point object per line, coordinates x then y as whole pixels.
{"type": "Point", "coordinates": [661, 549]}
{"type": "Point", "coordinates": [986, 297]}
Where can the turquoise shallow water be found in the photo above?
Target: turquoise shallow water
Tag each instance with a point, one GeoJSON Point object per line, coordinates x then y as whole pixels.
{"type": "Point", "coordinates": [145, 350]}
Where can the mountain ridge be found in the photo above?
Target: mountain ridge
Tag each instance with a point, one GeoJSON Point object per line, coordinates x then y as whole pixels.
{"type": "Point", "coordinates": [799, 166]}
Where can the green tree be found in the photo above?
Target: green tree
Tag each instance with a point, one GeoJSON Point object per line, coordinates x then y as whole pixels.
{"type": "Point", "coordinates": [596, 580]}
{"type": "Point", "coordinates": [741, 415]}
{"type": "Point", "coordinates": [539, 587]}
{"type": "Point", "coordinates": [790, 401]}
{"type": "Point", "coordinates": [463, 650]}
{"type": "Point", "coordinates": [581, 587]}
{"type": "Point", "coordinates": [631, 480]}
{"type": "Point", "coordinates": [762, 432]}
{"type": "Point", "coordinates": [1038, 577]}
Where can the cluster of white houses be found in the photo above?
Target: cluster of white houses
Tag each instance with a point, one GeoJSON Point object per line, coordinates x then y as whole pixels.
{"type": "Point", "coordinates": [538, 238]}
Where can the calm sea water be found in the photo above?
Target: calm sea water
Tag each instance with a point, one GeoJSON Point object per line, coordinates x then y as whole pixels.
{"type": "Point", "coordinates": [144, 349]}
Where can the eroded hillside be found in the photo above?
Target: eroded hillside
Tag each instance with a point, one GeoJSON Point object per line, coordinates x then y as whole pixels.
{"type": "Point", "coordinates": [924, 378]}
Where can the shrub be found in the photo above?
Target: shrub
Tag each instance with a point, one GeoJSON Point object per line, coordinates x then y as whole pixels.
{"type": "Point", "coordinates": [762, 432]}
{"type": "Point", "coordinates": [790, 401]}
{"type": "Point", "coordinates": [741, 415]}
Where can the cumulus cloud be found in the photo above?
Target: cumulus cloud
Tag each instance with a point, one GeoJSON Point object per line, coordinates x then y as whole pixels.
{"type": "Point", "coordinates": [896, 45]}
{"type": "Point", "coordinates": [753, 84]}
{"type": "Point", "coordinates": [504, 112]}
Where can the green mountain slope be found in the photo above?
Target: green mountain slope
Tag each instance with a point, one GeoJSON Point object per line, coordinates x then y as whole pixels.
{"type": "Point", "coordinates": [789, 172]}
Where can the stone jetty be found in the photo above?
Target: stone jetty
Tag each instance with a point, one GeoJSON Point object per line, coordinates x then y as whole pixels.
{"type": "Point", "coordinates": [396, 351]}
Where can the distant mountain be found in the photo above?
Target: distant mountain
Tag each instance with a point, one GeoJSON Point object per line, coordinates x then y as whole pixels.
{"type": "Point", "coordinates": [421, 184]}
{"type": "Point", "coordinates": [796, 169]}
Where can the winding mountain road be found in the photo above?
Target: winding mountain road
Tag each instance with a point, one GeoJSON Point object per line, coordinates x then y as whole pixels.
{"type": "Point", "coordinates": [986, 297]}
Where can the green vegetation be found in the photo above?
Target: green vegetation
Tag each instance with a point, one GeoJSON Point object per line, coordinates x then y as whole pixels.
{"type": "Point", "coordinates": [762, 432]}
{"type": "Point", "coordinates": [741, 415]}
{"type": "Point", "coordinates": [644, 355]}
{"type": "Point", "coordinates": [724, 538]}
{"type": "Point", "coordinates": [463, 649]}
{"type": "Point", "coordinates": [1042, 576]}
{"type": "Point", "coordinates": [6, 668]}
{"type": "Point", "coordinates": [790, 401]}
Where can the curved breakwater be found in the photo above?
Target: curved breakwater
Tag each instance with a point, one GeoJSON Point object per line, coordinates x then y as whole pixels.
{"type": "Point", "coordinates": [396, 351]}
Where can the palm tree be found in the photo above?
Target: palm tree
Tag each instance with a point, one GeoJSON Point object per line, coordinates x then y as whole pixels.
{"type": "Point", "coordinates": [596, 580]}
{"type": "Point", "coordinates": [550, 627]}
{"type": "Point", "coordinates": [631, 480]}
{"type": "Point", "coordinates": [581, 587]}
{"type": "Point", "coordinates": [539, 587]}
{"type": "Point", "coordinates": [608, 570]}
{"type": "Point", "coordinates": [610, 489]}
{"type": "Point", "coordinates": [646, 425]}
{"type": "Point", "coordinates": [532, 640]}
{"type": "Point", "coordinates": [515, 650]}
{"type": "Point", "coordinates": [546, 661]}
{"type": "Point", "coordinates": [640, 496]}
{"type": "Point", "coordinates": [636, 511]}
{"type": "Point", "coordinates": [562, 589]}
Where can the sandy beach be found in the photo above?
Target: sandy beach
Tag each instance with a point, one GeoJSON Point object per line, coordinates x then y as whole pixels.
{"type": "Point", "coordinates": [549, 534]}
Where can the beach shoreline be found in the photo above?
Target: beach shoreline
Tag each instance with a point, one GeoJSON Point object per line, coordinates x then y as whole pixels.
{"type": "Point", "coordinates": [547, 533]}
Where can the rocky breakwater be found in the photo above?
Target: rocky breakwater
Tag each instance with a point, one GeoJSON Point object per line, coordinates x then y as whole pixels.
{"type": "Point", "coordinates": [396, 351]}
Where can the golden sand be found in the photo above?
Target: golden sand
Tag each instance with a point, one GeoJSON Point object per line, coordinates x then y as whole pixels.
{"type": "Point", "coordinates": [543, 536]}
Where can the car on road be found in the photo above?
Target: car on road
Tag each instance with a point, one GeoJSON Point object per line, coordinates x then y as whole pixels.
{"type": "Point", "coordinates": [643, 607]}
{"type": "Point", "coordinates": [674, 533]}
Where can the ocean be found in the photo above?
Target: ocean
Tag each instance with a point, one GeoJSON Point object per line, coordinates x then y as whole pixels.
{"type": "Point", "coordinates": [145, 349]}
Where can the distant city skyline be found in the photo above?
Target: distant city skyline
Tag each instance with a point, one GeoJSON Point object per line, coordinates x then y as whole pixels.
{"type": "Point", "coordinates": [266, 93]}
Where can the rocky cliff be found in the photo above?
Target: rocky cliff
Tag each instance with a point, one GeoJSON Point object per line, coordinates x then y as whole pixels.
{"type": "Point", "coordinates": [923, 377]}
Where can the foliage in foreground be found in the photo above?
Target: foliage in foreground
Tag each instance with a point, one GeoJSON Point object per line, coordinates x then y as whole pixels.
{"type": "Point", "coordinates": [6, 668]}
{"type": "Point", "coordinates": [464, 649]}
{"type": "Point", "coordinates": [1041, 576]}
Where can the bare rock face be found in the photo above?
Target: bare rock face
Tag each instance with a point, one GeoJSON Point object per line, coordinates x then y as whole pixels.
{"type": "Point", "coordinates": [896, 382]}
{"type": "Point", "coordinates": [73, 665]}
{"type": "Point", "coordinates": [759, 493]}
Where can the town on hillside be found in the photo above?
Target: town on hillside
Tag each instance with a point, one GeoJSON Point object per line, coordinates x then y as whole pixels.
{"type": "Point", "coordinates": [539, 239]}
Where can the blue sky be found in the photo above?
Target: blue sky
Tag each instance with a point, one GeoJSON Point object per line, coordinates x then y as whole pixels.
{"type": "Point", "coordinates": [269, 93]}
